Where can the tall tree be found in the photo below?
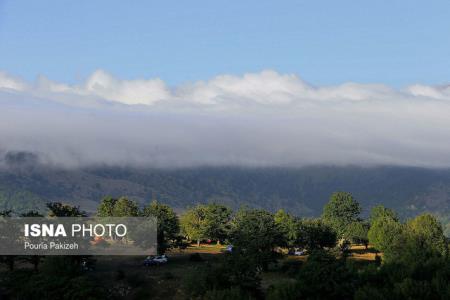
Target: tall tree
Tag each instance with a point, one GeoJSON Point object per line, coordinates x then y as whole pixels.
{"type": "Point", "coordinates": [386, 234]}
{"type": "Point", "coordinates": [357, 233]}
{"type": "Point", "coordinates": [168, 224]}
{"type": "Point", "coordinates": [193, 224]}
{"type": "Point", "coordinates": [106, 207]}
{"type": "Point", "coordinates": [217, 221]}
{"type": "Point", "coordinates": [125, 207]}
{"type": "Point", "coordinates": [429, 232]}
{"type": "Point", "coordinates": [340, 211]}
{"type": "Point", "coordinates": [315, 234]}
{"type": "Point", "coordinates": [380, 211]}
{"type": "Point", "coordinates": [288, 228]}
{"type": "Point", "coordinates": [255, 234]}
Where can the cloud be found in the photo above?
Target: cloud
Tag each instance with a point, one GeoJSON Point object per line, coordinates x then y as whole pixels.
{"type": "Point", "coordinates": [258, 119]}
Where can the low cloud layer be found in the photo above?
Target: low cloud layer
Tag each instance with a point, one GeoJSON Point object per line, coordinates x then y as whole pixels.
{"type": "Point", "coordinates": [259, 119]}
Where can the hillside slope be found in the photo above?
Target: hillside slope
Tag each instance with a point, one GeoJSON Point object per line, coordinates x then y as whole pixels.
{"type": "Point", "coordinates": [303, 191]}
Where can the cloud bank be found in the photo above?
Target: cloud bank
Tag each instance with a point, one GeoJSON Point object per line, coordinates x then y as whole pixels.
{"type": "Point", "coordinates": [258, 119]}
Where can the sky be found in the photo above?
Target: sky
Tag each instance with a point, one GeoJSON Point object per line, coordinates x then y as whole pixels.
{"type": "Point", "coordinates": [393, 42]}
{"type": "Point", "coordinates": [248, 83]}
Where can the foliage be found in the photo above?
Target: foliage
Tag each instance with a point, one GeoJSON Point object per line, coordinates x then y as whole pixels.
{"type": "Point", "coordinates": [340, 211]}
{"type": "Point", "coordinates": [232, 271]}
{"type": "Point", "coordinates": [379, 211]}
{"type": "Point", "coordinates": [207, 221]}
{"type": "Point", "coordinates": [255, 234]}
{"type": "Point", "coordinates": [315, 234]}
{"type": "Point", "coordinates": [57, 209]}
{"type": "Point", "coordinates": [125, 207]}
{"type": "Point", "coordinates": [193, 223]}
{"type": "Point", "coordinates": [325, 277]}
{"type": "Point", "coordinates": [106, 207]}
{"type": "Point", "coordinates": [428, 230]}
{"type": "Point", "coordinates": [386, 234]}
{"type": "Point", "coordinates": [357, 233]}
{"type": "Point", "coordinates": [168, 224]}
{"type": "Point", "coordinates": [288, 228]}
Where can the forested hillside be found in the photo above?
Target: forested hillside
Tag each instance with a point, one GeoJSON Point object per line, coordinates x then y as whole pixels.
{"type": "Point", "coordinates": [302, 191]}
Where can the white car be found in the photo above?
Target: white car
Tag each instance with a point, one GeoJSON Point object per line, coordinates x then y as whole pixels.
{"type": "Point", "coordinates": [155, 260]}
{"type": "Point", "coordinates": [299, 252]}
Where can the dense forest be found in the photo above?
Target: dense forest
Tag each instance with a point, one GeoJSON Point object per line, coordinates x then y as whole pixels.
{"type": "Point", "coordinates": [410, 257]}
{"type": "Point", "coordinates": [302, 191]}
{"type": "Point", "coordinates": [26, 185]}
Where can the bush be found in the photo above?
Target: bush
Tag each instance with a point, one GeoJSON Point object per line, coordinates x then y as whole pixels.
{"type": "Point", "coordinates": [232, 293]}
{"type": "Point", "coordinates": [285, 291]}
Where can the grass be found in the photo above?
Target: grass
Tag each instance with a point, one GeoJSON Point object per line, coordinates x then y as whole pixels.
{"type": "Point", "coordinates": [127, 274]}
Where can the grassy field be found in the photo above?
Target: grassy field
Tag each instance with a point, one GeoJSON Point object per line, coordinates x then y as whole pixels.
{"type": "Point", "coordinates": [165, 282]}
{"type": "Point", "coordinates": [127, 276]}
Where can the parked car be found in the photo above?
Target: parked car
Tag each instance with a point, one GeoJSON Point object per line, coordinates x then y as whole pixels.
{"type": "Point", "coordinates": [155, 260]}
{"type": "Point", "coordinates": [297, 252]}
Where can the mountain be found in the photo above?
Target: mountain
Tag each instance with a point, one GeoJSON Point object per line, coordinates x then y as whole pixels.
{"type": "Point", "coordinates": [302, 191]}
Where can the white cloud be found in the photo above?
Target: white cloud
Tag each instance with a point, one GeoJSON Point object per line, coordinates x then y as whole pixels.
{"type": "Point", "coordinates": [262, 118]}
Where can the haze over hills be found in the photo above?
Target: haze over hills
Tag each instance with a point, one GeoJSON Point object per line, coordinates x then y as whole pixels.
{"type": "Point", "coordinates": [290, 142]}
{"type": "Point", "coordinates": [303, 191]}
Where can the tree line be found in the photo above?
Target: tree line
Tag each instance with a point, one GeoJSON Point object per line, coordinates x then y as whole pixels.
{"type": "Point", "coordinates": [412, 259]}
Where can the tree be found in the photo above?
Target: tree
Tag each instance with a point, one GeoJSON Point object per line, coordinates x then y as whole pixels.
{"type": "Point", "coordinates": [193, 224]}
{"type": "Point", "coordinates": [217, 221]}
{"type": "Point", "coordinates": [32, 214]}
{"type": "Point", "coordinates": [340, 211]}
{"type": "Point", "coordinates": [168, 224]}
{"type": "Point", "coordinates": [6, 213]}
{"type": "Point", "coordinates": [255, 235]}
{"type": "Point", "coordinates": [387, 235]}
{"type": "Point", "coordinates": [429, 232]}
{"type": "Point", "coordinates": [288, 228]}
{"type": "Point", "coordinates": [357, 233]}
{"type": "Point", "coordinates": [379, 211]}
{"type": "Point", "coordinates": [57, 209]}
{"type": "Point", "coordinates": [210, 221]}
{"type": "Point", "coordinates": [325, 277]}
{"type": "Point", "coordinates": [315, 234]}
{"type": "Point", "coordinates": [106, 207]}
{"type": "Point", "coordinates": [124, 207]}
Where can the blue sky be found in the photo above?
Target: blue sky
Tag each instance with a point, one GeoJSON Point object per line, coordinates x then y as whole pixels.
{"type": "Point", "coordinates": [325, 42]}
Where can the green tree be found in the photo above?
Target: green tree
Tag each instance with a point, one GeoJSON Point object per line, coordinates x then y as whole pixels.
{"type": "Point", "coordinates": [125, 208]}
{"type": "Point", "coordinates": [340, 211]}
{"type": "Point", "coordinates": [255, 235]}
{"type": "Point", "coordinates": [429, 232]}
{"type": "Point", "coordinates": [288, 228]}
{"type": "Point", "coordinates": [57, 209]}
{"type": "Point", "coordinates": [217, 221]}
{"type": "Point", "coordinates": [315, 234]}
{"type": "Point", "coordinates": [106, 207]}
{"type": "Point", "coordinates": [193, 224]}
{"type": "Point", "coordinates": [357, 233]}
{"type": "Point", "coordinates": [325, 277]}
{"type": "Point", "coordinates": [168, 224]}
{"type": "Point", "coordinates": [379, 211]}
{"type": "Point", "coordinates": [387, 235]}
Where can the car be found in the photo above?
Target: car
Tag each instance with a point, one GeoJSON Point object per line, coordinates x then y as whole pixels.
{"type": "Point", "coordinates": [297, 252]}
{"type": "Point", "coordinates": [155, 260]}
